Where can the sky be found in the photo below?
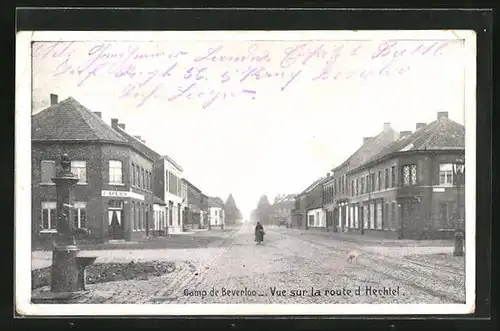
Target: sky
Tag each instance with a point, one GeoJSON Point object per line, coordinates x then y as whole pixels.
{"type": "Point", "coordinates": [255, 117]}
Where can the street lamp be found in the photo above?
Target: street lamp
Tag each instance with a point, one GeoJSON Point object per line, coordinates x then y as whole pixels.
{"type": "Point", "coordinates": [458, 175]}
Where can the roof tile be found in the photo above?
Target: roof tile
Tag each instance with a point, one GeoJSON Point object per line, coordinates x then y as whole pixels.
{"type": "Point", "coordinates": [70, 120]}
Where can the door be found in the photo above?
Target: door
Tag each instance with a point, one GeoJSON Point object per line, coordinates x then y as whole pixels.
{"type": "Point", "coordinates": [115, 224]}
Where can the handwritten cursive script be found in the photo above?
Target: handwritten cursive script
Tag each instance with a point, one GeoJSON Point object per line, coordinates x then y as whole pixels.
{"type": "Point", "coordinates": [148, 71]}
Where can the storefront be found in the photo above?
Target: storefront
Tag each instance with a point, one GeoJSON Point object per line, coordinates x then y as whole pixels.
{"type": "Point", "coordinates": [127, 215]}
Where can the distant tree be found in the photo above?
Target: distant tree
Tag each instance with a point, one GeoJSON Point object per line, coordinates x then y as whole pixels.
{"type": "Point", "coordinates": [264, 210]}
{"type": "Point", "coordinates": [233, 214]}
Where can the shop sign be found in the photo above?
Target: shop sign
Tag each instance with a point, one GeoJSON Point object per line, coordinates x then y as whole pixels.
{"type": "Point", "coordinates": [122, 194]}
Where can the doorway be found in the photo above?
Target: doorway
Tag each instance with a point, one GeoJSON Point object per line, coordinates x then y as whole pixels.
{"type": "Point", "coordinates": [115, 220]}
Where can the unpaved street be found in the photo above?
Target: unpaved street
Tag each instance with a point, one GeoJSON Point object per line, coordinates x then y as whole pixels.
{"type": "Point", "coordinates": [291, 267]}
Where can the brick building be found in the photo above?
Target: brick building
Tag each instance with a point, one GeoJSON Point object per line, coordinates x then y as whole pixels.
{"type": "Point", "coordinates": [194, 206]}
{"type": "Point", "coordinates": [307, 201]}
{"type": "Point", "coordinates": [113, 198]}
{"type": "Point", "coordinates": [336, 189]}
{"type": "Point", "coordinates": [408, 189]}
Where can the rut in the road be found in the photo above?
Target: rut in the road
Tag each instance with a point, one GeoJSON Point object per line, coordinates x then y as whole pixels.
{"type": "Point", "coordinates": [451, 285]}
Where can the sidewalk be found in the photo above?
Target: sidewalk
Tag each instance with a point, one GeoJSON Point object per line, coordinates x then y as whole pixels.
{"type": "Point", "coordinates": [370, 240]}
{"type": "Point", "coordinates": [184, 249]}
{"type": "Point", "coordinates": [386, 247]}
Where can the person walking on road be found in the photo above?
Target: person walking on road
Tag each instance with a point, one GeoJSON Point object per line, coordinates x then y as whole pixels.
{"type": "Point", "coordinates": [259, 233]}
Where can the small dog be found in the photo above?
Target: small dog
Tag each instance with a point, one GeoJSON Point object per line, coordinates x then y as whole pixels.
{"type": "Point", "coordinates": [352, 256]}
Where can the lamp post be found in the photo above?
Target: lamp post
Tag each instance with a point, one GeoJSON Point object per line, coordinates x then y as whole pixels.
{"type": "Point", "coordinates": [458, 175]}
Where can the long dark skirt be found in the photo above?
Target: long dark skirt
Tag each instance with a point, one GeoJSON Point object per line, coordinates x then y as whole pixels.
{"type": "Point", "coordinates": [259, 236]}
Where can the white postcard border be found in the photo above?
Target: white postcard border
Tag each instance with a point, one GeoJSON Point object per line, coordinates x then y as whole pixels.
{"type": "Point", "coordinates": [23, 179]}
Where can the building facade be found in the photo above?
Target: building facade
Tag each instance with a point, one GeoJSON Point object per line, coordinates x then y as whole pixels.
{"type": "Point", "coordinates": [216, 212]}
{"type": "Point", "coordinates": [113, 198]}
{"type": "Point", "coordinates": [315, 214]}
{"type": "Point", "coordinates": [337, 189]}
{"type": "Point", "coordinates": [204, 212]}
{"type": "Point", "coordinates": [309, 199]}
{"type": "Point", "coordinates": [160, 217]}
{"type": "Point", "coordinates": [409, 189]}
{"type": "Point", "coordinates": [169, 188]}
{"type": "Point", "coordinates": [194, 206]}
{"type": "Point", "coordinates": [282, 209]}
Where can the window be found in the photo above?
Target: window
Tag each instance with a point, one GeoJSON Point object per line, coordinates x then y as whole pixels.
{"type": "Point", "coordinates": [133, 217]}
{"type": "Point", "coordinates": [372, 182]}
{"type": "Point", "coordinates": [79, 215]}
{"type": "Point", "coordinates": [79, 169]}
{"type": "Point", "coordinates": [379, 216]}
{"type": "Point", "coordinates": [409, 175]}
{"type": "Point", "coordinates": [143, 179]}
{"type": "Point", "coordinates": [141, 218]}
{"type": "Point", "coordinates": [311, 220]}
{"type": "Point", "coordinates": [48, 171]}
{"type": "Point", "coordinates": [379, 180]}
{"type": "Point", "coordinates": [362, 185]}
{"type": "Point", "coordinates": [393, 176]}
{"type": "Point", "coordinates": [366, 216]}
{"type": "Point", "coordinates": [115, 172]}
{"type": "Point", "coordinates": [353, 189]}
{"type": "Point", "coordinates": [446, 174]}
{"type": "Point", "coordinates": [386, 182]}
{"type": "Point", "coordinates": [137, 176]}
{"type": "Point", "coordinates": [49, 222]}
{"type": "Point", "coordinates": [393, 216]}
{"type": "Point", "coordinates": [132, 174]}
{"type": "Point", "coordinates": [372, 216]}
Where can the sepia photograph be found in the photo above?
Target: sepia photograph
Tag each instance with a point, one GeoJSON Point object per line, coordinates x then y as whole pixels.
{"type": "Point", "coordinates": [245, 172]}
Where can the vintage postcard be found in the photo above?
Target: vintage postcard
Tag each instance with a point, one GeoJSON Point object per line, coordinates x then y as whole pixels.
{"type": "Point", "coordinates": [245, 172]}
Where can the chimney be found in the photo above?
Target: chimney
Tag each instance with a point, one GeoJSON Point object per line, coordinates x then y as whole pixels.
{"type": "Point", "coordinates": [387, 126]}
{"type": "Point", "coordinates": [404, 133]}
{"type": "Point", "coordinates": [98, 113]}
{"type": "Point", "coordinates": [143, 141]}
{"type": "Point", "coordinates": [114, 123]}
{"type": "Point", "coordinates": [121, 126]}
{"type": "Point", "coordinates": [442, 114]}
{"type": "Point", "coordinates": [138, 138]}
{"type": "Point", "coordinates": [327, 174]}
{"type": "Point", "coordinates": [365, 139]}
{"type": "Point", "coordinates": [419, 126]}
{"type": "Point", "coordinates": [53, 99]}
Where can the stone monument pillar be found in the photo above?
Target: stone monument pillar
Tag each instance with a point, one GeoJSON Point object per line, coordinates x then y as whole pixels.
{"type": "Point", "coordinates": [64, 276]}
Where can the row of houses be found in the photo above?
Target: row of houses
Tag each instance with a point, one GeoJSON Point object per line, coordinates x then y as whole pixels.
{"type": "Point", "coordinates": [125, 190]}
{"type": "Point", "coordinates": [397, 184]}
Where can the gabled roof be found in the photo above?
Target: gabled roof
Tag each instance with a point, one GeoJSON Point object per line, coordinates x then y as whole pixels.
{"type": "Point", "coordinates": [313, 185]}
{"type": "Point", "coordinates": [370, 148]}
{"type": "Point", "coordinates": [69, 120]}
{"type": "Point", "coordinates": [172, 162]}
{"type": "Point", "coordinates": [215, 202]}
{"type": "Point", "coordinates": [191, 185]}
{"type": "Point", "coordinates": [139, 145]}
{"type": "Point", "coordinates": [442, 134]}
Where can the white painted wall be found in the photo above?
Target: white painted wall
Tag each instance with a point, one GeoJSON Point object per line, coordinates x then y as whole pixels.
{"type": "Point", "coordinates": [319, 218]}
